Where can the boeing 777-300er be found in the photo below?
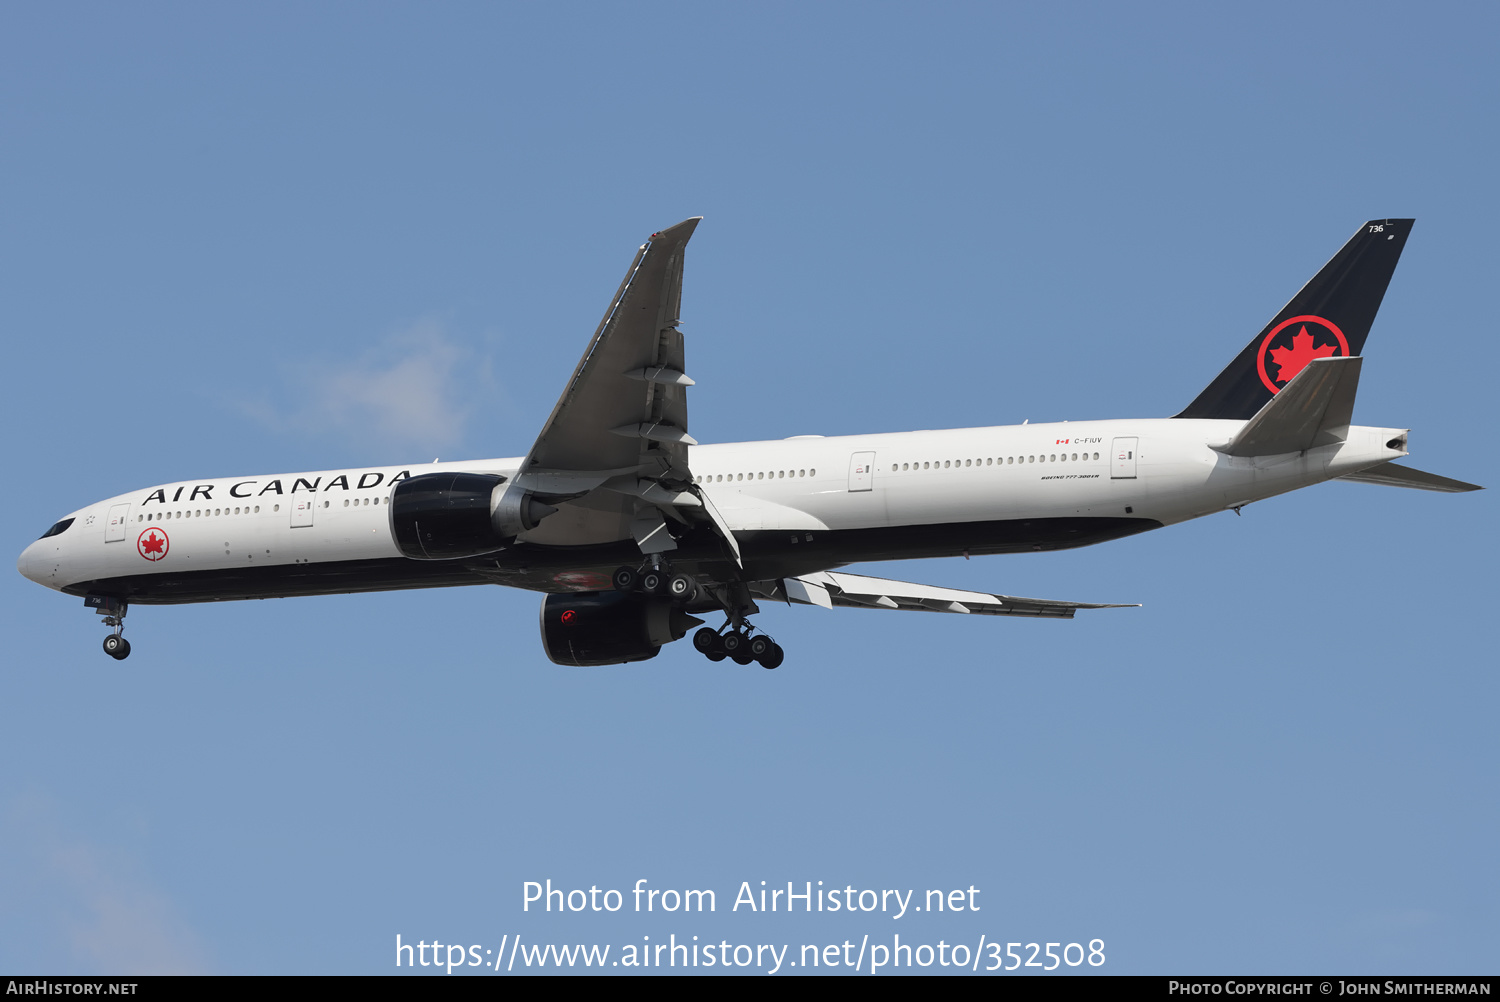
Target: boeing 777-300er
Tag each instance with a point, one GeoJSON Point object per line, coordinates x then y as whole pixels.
{"type": "Point", "coordinates": [630, 527]}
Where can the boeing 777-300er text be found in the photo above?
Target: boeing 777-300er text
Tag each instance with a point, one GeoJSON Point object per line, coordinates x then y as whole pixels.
{"type": "Point", "coordinates": [630, 527]}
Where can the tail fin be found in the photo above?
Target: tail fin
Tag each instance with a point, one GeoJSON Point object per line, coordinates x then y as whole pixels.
{"type": "Point", "coordinates": [1330, 317]}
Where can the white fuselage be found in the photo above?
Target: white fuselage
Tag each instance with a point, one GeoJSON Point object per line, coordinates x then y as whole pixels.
{"type": "Point", "coordinates": [1160, 471]}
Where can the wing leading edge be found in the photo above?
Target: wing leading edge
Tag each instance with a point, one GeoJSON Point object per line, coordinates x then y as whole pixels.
{"type": "Point", "coordinates": [625, 408]}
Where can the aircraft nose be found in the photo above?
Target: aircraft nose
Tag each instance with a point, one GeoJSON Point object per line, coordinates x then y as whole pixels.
{"type": "Point", "coordinates": [30, 563]}
{"type": "Point", "coordinates": [26, 561]}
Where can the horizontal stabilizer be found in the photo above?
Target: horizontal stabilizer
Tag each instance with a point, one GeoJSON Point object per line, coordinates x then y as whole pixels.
{"type": "Point", "coordinates": [1313, 409]}
{"type": "Point", "coordinates": [833, 588]}
{"type": "Point", "coordinates": [1391, 475]}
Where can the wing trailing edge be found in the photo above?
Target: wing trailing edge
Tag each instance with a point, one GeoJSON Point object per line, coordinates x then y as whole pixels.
{"type": "Point", "coordinates": [835, 588]}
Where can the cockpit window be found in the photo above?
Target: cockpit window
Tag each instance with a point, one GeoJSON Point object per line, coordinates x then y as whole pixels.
{"type": "Point", "coordinates": [58, 528]}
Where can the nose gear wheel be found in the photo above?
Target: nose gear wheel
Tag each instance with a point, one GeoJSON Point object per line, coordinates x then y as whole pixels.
{"type": "Point", "coordinates": [113, 610]}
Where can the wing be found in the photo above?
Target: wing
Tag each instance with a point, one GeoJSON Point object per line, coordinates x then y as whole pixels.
{"type": "Point", "coordinates": [831, 588]}
{"type": "Point", "coordinates": [626, 406]}
{"type": "Point", "coordinates": [613, 454]}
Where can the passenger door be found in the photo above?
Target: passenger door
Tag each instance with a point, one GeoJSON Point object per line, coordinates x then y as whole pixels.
{"type": "Point", "coordinates": [114, 529]}
{"type": "Point", "coordinates": [1122, 459]}
{"type": "Point", "coordinates": [862, 471]}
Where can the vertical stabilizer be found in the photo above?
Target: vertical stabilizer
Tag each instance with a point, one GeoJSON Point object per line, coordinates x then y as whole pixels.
{"type": "Point", "coordinates": [1329, 318]}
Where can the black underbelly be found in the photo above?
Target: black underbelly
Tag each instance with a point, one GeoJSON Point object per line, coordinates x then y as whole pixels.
{"type": "Point", "coordinates": [767, 553]}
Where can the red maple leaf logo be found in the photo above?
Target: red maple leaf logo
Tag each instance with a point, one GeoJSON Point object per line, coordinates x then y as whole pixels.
{"type": "Point", "coordinates": [1290, 361]}
{"type": "Point", "coordinates": [152, 544]}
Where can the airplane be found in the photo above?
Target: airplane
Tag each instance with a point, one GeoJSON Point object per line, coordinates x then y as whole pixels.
{"type": "Point", "coordinates": [631, 529]}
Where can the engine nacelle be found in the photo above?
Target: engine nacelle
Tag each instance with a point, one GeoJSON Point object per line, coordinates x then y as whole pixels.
{"type": "Point", "coordinates": [609, 627]}
{"type": "Point", "coordinates": [447, 516]}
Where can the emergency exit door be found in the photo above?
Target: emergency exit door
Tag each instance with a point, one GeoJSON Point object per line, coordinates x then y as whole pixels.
{"type": "Point", "coordinates": [302, 512]}
{"type": "Point", "coordinates": [1122, 459]}
{"type": "Point", "coordinates": [862, 471]}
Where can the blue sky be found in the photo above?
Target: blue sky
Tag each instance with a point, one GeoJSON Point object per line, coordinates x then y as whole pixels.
{"type": "Point", "coordinates": [304, 237]}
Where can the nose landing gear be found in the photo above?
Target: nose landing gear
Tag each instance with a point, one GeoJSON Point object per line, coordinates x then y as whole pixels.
{"type": "Point", "coordinates": [113, 610]}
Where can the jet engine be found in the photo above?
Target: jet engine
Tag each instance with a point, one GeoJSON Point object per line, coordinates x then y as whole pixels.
{"type": "Point", "coordinates": [447, 516]}
{"type": "Point", "coordinates": [609, 627]}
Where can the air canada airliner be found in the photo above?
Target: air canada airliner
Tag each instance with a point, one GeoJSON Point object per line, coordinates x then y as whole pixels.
{"type": "Point", "coordinates": [632, 530]}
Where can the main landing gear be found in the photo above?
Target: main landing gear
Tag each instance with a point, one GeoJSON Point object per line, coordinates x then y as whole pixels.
{"type": "Point", "coordinates": [736, 639]}
{"type": "Point", "coordinates": [656, 578]}
{"type": "Point", "coordinates": [113, 610]}
{"type": "Point", "coordinates": [740, 646]}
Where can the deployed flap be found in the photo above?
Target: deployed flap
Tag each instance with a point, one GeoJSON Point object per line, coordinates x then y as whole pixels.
{"type": "Point", "coordinates": [1391, 475]}
{"type": "Point", "coordinates": [831, 588]}
{"type": "Point", "coordinates": [1313, 409]}
{"type": "Point", "coordinates": [722, 528]}
{"type": "Point", "coordinates": [626, 407]}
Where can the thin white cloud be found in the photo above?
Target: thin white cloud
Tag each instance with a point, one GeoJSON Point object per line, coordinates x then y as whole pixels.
{"type": "Point", "coordinates": [416, 389]}
{"type": "Point", "coordinates": [103, 914]}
